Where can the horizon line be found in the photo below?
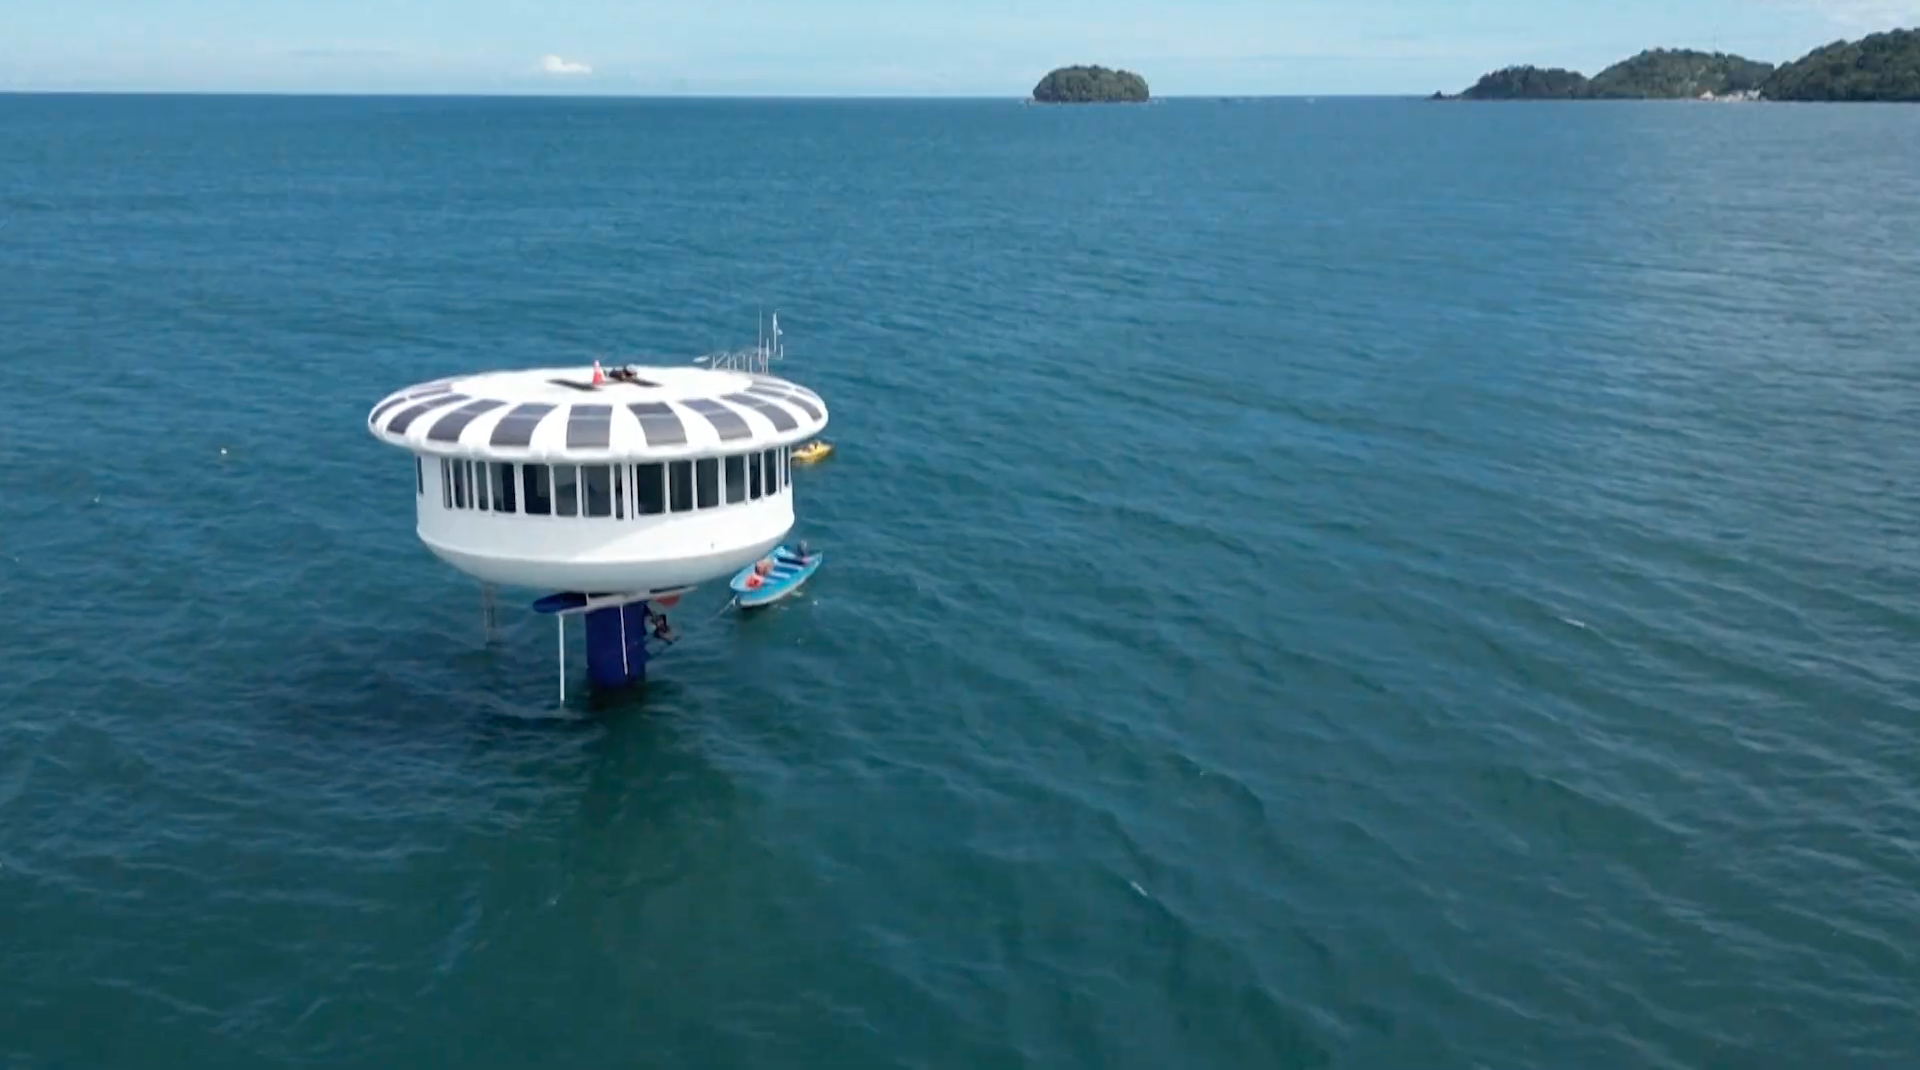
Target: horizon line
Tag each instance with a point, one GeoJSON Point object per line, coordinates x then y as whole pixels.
{"type": "Point", "coordinates": [666, 95]}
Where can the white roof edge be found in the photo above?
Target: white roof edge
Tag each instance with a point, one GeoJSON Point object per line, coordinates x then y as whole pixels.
{"type": "Point", "coordinates": [429, 448]}
{"type": "Point", "coordinates": [437, 397]}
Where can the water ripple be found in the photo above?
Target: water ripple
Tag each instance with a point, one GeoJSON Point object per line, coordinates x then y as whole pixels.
{"type": "Point", "coordinates": [1280, 613]}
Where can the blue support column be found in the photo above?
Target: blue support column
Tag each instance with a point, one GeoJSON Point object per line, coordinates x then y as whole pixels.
{"type": "Point", "coordinates": [617, 645]}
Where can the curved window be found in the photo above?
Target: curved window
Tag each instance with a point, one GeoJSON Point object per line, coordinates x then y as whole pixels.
{"type": "Point", "coordinates": [706, 473]}
{"type": "Point", "coordinates": [650, 489]}
{"type": "Point", "coordinates": [500, 479]}
{"type": "Point", "coordinates": [539, 487]}
{"type": "Point", "coordinates": [596, 490]}
{"type": "Point", "coordinates": [736, 479]}
{"type": "Point", "coordinates": [566, 490]}
{"type": "Point", "coordinates": [680, 481]}
{"type": "Point", "coordinates": [609, 491]}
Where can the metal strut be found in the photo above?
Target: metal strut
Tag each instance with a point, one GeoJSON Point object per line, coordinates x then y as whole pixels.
{"type": "Point", "coordinates": [616, 655]}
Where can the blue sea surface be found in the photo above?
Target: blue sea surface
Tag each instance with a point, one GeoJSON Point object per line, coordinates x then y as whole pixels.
{"type": "Point", "coordinates": [1355, 583]}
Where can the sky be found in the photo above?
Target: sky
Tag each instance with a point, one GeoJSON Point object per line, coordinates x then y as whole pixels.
{"type": "Point", "coordinates": [996, 48]}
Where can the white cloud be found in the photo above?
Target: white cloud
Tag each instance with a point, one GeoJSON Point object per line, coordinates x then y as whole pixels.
{"type": "Point", "coordinates": [563, 67]}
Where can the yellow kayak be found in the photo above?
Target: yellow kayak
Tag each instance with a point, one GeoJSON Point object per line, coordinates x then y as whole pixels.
{"type": "Point", "coordinates": [812, 451]}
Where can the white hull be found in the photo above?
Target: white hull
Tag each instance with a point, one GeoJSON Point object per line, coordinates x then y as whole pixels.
{"type": "Point", "coordinates": [603, 576]}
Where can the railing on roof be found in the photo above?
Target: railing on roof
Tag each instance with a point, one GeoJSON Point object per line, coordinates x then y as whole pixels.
{"type": "Point", "coordinates": [766, 349]}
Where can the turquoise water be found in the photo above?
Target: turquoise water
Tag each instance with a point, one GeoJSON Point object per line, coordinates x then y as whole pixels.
{"type": "Point", "coordinates": [1354, 584]}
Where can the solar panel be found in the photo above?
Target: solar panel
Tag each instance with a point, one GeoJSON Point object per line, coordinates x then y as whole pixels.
{"type": "Point", "coordinates": [590, 427]}
{"type": "Point", "coordinates": [659, 423]}
{"type": "Point", "coordinates": [409, 415]}
{"type": "Point", "coordinates": [516, 427]}
{"type": "Point", "coordinates": [391, 403]}
{"type": "Point", "coordinates": [782, 419]}
{"type": "Point", "coordinates": [447, 428]}
{"type": "Point", "coordinates": [729, 423]}
{"type": "Point", "coordinates": [787, 396]}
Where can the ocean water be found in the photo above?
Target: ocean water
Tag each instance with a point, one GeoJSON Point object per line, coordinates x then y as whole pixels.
{"type": "Point", "coordinates": [1360, 583]}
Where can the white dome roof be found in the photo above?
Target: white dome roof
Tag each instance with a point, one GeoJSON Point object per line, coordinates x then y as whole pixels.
{"type": "Point", "coordinates": [560, 414]}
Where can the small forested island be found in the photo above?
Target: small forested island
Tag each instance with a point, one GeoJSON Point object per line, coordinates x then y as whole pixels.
{"type": "Point", "coordinates": [1090, 85]}
{"type": "Point", "coordinates": [1528, 83]}
{"type": "Point", "coordinates": [1882, 66]}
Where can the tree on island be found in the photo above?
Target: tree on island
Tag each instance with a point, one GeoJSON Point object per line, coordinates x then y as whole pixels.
{"type": "Point", "coordinates": [1090, 85]}
{"type": "Point", "coordinates": [1528, 83]}
{"type": "Point", "coordinates": [1678, 74]}
{"type": "Point", "coordinates": [1881, 66]}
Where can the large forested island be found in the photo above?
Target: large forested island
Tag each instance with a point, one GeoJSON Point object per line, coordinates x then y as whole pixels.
{"type": "Point", "coordinates": [1090, 85]}
{"type": "Point", "coordinates": [1656, 74]}
{"type": "Point", "coordinates": [1883, 66]}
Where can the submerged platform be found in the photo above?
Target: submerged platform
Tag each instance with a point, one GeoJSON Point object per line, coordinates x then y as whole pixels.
{"type": "Point", "coordinates": [618, 630]}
